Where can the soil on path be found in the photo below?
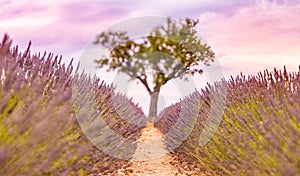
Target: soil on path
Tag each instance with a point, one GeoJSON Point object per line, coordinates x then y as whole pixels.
{"type": "Point", "coordinates": [152, 159]}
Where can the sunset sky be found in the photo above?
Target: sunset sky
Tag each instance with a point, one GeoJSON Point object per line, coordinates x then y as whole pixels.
{"type": "Point", "coordinates": [247, 35]}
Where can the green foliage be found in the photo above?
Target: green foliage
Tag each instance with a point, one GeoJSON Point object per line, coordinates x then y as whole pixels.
{"type": "Point", "coordinates": [170, 51]}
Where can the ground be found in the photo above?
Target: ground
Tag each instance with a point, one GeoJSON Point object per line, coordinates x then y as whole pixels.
{"type": "Point", "coordinates": [152, 159]}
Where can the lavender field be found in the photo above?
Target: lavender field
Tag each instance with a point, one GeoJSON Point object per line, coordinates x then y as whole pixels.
{"type": "Point", "coordinates": [40, 135]}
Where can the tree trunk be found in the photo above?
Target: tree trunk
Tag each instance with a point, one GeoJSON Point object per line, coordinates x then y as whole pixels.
{"type": "Point", "coordinates": [153, 105]}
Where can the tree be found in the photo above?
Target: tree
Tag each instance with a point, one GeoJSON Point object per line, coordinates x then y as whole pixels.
{"type": "Point", "coordinates": [170, 51]}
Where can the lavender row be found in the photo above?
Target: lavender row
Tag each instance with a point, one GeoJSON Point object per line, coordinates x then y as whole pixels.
{"type": "Point", "coordinates": [39, 129]}
{"type": "Point", "coordinates": [260, 129]}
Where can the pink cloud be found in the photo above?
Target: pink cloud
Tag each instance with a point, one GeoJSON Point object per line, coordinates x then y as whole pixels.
{"type": "Point", "coordinates": [59, 27]}
{"type": "Point", "coordinates": [255, 37]}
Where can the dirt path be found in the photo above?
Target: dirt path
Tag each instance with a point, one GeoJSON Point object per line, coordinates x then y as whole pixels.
{"type": "Point", "coordinates": [152, 159]}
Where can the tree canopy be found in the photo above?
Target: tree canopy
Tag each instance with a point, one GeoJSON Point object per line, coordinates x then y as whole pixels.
{"type": "Point", "coordinates": [169, 51]}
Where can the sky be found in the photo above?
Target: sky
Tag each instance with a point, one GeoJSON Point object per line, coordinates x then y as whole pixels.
{"type": "Point", "coordinates": [247, 35]}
